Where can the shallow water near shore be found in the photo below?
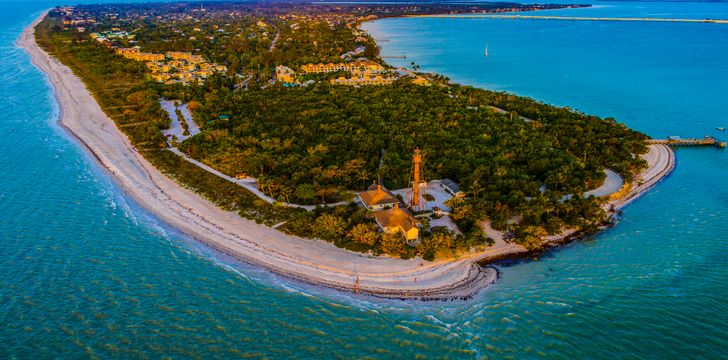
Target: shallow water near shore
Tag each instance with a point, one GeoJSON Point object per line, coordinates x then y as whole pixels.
{"type": "Point", "coordinates": [86, 273]}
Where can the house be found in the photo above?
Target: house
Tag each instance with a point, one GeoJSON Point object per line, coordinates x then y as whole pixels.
{"type": "Point", "coordinates": [135, 54]}
{"type": "Point", "coordinates": [179, 55]}
{"type": "Point", "coordinates": [174, 66]}
{"type": "Point", "coordinates": [398, 220]}
{"type": "Point", "coordinates": [369, 66]}
{"type": "Point", "coordinates": [147, 57]}
{"type": "Point", "coordinates": [285, 74]}
{"type": "Point", "coordinates": [377, 199]}
{"type": "Point", "coordinates": [127, 51]}
{"type": "Point", "coordinates": [419, 80]}
{"type": "Point", "coordinates": [161, 77]}
{"type": "Point", "coordinates": [365, 80]}
{"type": "Point", "coordinates": [359, 66]}
{"type": "Point", "coordinates": [451, 187]}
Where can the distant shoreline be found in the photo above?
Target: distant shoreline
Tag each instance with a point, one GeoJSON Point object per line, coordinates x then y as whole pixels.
{"type": "Point", "coordinates": [306, 260]}
{"type": "Point", "coordinates": [569, 18]}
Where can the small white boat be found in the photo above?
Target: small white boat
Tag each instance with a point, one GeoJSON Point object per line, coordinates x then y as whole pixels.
{"type": "Point", "coordinates": [722, 128]}
{"type": "Point", "coordinates": [486, 50]}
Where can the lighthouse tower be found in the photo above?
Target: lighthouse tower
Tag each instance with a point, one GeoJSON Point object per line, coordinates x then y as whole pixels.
{"type": "Point", "coordinates": [416, 163]}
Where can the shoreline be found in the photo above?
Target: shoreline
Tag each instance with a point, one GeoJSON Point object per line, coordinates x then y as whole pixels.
{"type": "Point", "coordinates": [306, 260]}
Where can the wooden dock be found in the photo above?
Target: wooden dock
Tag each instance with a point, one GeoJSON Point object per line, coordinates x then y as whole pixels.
{"type": "Point", "coordinates": [678, 141]}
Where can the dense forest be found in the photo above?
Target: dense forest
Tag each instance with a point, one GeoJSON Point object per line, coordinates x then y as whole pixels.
{"type": "Point", "coordinates": [314, 144]}
{"type": "Point", "coordinates": [318, 143]}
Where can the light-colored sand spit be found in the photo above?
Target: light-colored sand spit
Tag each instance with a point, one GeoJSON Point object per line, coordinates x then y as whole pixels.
{"type": "Point", "coordinates": [311, 261]}
{"type": "Point", "coordinates": [660, 162]}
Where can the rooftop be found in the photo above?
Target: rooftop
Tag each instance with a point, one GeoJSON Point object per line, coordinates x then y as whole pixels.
{"type": "Point", "coordinates": [450, 184]}
{"type": "Point", "coordinates": [378, 196]}
{"type": "Point", "coordinates": [396, 217]}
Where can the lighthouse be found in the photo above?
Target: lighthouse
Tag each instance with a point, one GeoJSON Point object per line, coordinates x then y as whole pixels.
{"type": "Point", "coordinates": [416, 163]}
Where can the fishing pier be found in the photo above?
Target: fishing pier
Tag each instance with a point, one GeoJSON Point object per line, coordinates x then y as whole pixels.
{"type": "Point", "coordinates": [678, 141]}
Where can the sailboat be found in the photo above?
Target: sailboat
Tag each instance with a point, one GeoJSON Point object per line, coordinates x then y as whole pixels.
{"type": "Point", "coordinates": [486, 50]}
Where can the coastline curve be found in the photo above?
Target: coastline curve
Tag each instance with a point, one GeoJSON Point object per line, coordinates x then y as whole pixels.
{"type": "Point", "coordinates": [306, 260]}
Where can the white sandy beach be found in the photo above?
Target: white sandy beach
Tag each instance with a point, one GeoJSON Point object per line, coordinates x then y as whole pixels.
{"type": "Point", "coordinates": [312, 261]}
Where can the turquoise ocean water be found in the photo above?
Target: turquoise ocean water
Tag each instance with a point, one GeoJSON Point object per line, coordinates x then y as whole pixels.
{"type": "Point", "coordinates": [86, 273]}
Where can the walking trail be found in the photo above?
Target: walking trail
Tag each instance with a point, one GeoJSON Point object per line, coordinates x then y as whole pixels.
{"type": "Point", "coordinates": [308, 260]}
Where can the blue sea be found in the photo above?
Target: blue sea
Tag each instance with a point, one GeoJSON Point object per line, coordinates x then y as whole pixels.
{"type": "Point", "coordinates": [85, 273]}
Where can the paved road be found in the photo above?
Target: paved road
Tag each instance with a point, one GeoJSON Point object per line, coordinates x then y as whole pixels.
{"type": "Point", "coordinates": [250, 184]}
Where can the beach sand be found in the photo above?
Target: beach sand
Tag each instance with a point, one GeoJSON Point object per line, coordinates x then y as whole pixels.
{"type": "Point", "coordinates": [307, 260]}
